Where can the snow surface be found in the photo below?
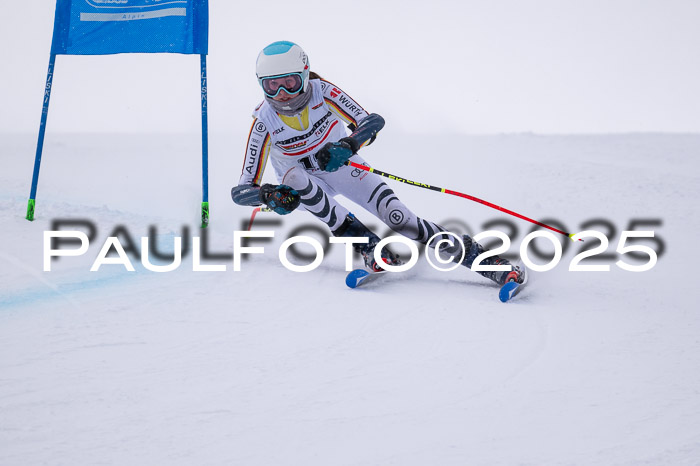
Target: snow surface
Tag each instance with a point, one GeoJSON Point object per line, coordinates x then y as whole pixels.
{"type": "Point", "coordinates": [271, 367]}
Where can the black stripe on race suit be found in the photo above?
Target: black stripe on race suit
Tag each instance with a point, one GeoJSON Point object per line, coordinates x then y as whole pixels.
{"type": "Point", "coordinates": [421, 232]}
{"type": "Point", "coordinates": [315, 199]}
{"type": "Point", "coordinates": [326, 207]}
{"type": "Point", "coordinates": [375, 192]}
{"type": "Point", "coordinates": [429, 228]}
{"type": "Point", "coordinates": [334, 217]}
{"type": "Point", "coordinates": [383, 195]}
{"type": "Point", "coordinates": [307, 190]}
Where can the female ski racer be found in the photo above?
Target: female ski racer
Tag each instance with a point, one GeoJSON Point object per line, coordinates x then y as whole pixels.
{"type": "Point", "coordinates": [299, 126]}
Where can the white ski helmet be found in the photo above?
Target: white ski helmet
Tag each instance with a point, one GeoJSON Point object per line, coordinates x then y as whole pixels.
{"type": "Point", "coordinates": [282, 59]}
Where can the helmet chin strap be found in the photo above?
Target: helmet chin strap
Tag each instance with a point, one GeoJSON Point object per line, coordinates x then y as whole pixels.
{"type": "Point", "coordinates": [292, 106]}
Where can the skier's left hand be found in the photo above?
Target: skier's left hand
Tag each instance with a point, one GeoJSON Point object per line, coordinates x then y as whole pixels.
{"type": "Point", "coordinates": [333, 155]}
{"type": "Point", "coordinates": [280, 198]}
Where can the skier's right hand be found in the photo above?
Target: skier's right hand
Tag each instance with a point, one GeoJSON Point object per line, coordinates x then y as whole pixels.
{"type": "Point", "coordinates": [280, 198]}
{"type": "Point", "coordinates": [333, 155]}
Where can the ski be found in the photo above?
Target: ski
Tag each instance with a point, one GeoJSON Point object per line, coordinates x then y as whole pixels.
{"type": "Point", "coordinates": [359, 277]}
{"type": "Point", "coordinates": [512, 289]}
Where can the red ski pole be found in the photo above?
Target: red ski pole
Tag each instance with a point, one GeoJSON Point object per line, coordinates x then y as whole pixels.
{"type": "Point", "coordinates": [254, 213]}
{"type": "Point", "coordinates": [456, 193]}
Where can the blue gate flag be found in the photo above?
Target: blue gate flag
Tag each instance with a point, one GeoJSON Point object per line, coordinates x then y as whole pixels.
{"type": "Point", "coordinates": [102, 27]}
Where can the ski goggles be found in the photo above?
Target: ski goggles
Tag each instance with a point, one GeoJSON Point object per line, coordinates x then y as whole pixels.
{"type": "Point", "coordinates": [290, 82]}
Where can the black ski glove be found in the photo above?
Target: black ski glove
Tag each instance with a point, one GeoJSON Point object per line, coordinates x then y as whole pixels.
{"type": "Point", "coordinates": [280, 198]}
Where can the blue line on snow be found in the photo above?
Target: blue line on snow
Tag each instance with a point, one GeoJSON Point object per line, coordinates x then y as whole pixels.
{"type": "Point", "coordinates": [30, 295]}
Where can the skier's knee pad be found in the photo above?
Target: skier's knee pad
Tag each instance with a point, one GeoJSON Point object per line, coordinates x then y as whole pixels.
{"type": "Point", "coordinates": [296, 178]}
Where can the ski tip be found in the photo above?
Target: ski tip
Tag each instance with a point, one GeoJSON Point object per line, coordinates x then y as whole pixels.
{"type": "Point", "coordinates": [507, 291]}
{"type": "Point", "coordinates": [355, 277]}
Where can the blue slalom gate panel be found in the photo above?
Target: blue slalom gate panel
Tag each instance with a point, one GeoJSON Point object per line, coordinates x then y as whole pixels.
{"type": "Point", "coordinates": [102, 27]}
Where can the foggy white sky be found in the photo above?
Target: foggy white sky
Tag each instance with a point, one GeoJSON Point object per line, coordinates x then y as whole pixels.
{"type": "Point", "coordinates": [426, 66]}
